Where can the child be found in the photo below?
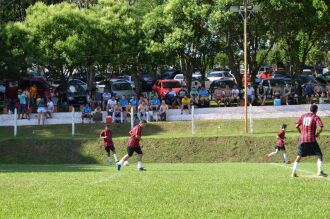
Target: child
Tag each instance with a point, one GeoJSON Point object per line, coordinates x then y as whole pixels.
{"type": "Point", "coordinates": [280, 145]}
{"type": "Point", "coordinates": [106, 135]}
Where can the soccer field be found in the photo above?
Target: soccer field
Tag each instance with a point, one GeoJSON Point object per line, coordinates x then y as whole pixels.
{"type": "Point", "coordinates": [222, 190]}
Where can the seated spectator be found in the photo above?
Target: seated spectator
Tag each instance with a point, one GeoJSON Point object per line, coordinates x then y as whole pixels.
{"type": "Point", "coordinates": [97, 98]}
{"type": "Point", "coordinates": [277, 91]}
{"type": "Point", "coordinates": [194, 96]}
{"type": "Point", "coordinates": [105, 96]}
{"type": "Point", "coordinates": [41, 109]}
{"type": "Point", "coordinates": [152, 94]}
{"type": "Point", "coordinates": [124, 102]}
{"type": "Point", "coordinates": [185, 103]}
{"type": "Point", "coordinates": [133, 105]}
{"type": "Point", "coordinates": [298, 92]}
{"type": "Point", "coordinates": [250, 94]}
{"type": "Point", "coordinates": [118, 113]}
{"type": "Point", "coordinates": [219, 95]}
{"type": "Point", "coordinates": [318, 92]}
{"type": "Point", "coordinates": [261, 94]}
{"type": "Point", "coordinates": [86, 113]}
{"type": "Point", "coordinates": [22, 109]}
{"type": "Point", "coordinates": [97, 114]}
{"type": "Point", "coordinates": [235, 95]}
{"type": "Point", "coordinates": [287, 93]}
{"type": "Point", "coordinates": [170, 98]}
{"type": "Point", "coordinates": [309, 91]}
{"type": "Point", "coordinates": [163, 110]}
{"type": "Point", "coordinates": [203, 96]}
{"type": "Point", "coordinates": [143, 111]}
{"type": "Point", "coordinates": [111, 105]}
{"type": "Point", "coordinates": [154, 104]}
{"type": "Point", "coordinates": [227, 96]}
{"type": "Point", "coordinates": [50, 108]}
{"type": "Point", "coordinates": [269, 92]}
{"type": "Point", "coordinates": [182, 92]}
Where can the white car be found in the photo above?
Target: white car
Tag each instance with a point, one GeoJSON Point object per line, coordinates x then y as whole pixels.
{"type": "Point", "coordinates": [180, 78]}
{"type": "Point", "coordinates": [2, 89]}
{"type": "Point", "coordinates": [217, 75]}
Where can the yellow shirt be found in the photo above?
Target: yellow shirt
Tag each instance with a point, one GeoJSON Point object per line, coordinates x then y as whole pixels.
{"type": "Point", "coordinates": [185, 101]}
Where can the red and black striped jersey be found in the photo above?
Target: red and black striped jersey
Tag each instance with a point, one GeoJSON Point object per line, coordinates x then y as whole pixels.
{"type": "Point", "coordinates": [308, 124]}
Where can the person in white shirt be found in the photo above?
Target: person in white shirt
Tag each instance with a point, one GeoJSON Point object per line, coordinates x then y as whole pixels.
{"type": "Point", "coordinates": [250, 93]}
{"type": "Point", "coordinates": [106, 97]}
{"type": "Point", "coordinates": [235, 95]}
{"type": "Point", "coordinates": [50, 108]}
{"type": "Point", "coordinates": [111, 105]}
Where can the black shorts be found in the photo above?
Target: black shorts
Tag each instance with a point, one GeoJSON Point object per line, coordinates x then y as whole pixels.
{"type": "Point", "coordinates": [131, 150]}
{"type": "Point", "coordinates": [280, 148]}
{"type": "Point", "coordinates": [110, 148]}
{"type": "Point", "coordinates": [309, 149]}
{"type": "Point", "coordinates": [124, 108]}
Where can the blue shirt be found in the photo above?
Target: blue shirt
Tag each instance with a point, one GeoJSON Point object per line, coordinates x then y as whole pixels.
{"type": "Point", "coordinates": [155, 102]}
{"type": "Point", "coordinates": [203, 92]}
{"type": "Point", "coordinates": [97, 96]}
{"type": "Point", "coordinates": [41, 102]}
{"type": "Point", "coordinates": [86, 109]}
{"type": "Point", "coordinates": [123, 102]}
{"type": "Point", "coordinates": [133, 102]}
{"type": "Point", "coordinates": [22, 98]}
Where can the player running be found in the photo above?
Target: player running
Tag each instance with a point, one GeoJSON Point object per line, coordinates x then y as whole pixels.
{"type": "Point", "coordinates": [310, 127]}
{"type": "Point", "coordinates": [134, 146]}
{"type": "Point", "coordinates": [280, 145]}
{"type": "Point", "coordinates": [106, 135]}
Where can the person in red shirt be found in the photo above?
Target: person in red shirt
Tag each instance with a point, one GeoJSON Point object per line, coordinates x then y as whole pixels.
{"type": "Point", "coordinates": [310, 127]}
{"type": "Point", "coordinates": [108, 145]}
{"type": "Point", "coordinates": [280, 145]}
{"type": "Point", "coordinates": [134, 146]}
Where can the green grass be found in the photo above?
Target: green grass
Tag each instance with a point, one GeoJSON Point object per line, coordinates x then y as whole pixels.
{"type": "Point", "coordinates": [227, 190]}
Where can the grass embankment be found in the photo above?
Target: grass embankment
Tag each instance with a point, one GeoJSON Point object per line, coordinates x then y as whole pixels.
{"type": "Point", "coordinates": [215, 141]}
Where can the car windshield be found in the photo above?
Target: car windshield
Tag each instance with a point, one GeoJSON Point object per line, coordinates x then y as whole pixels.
{"type": "Point", "coordinates": [171, 84]}
{"type": "Point", "coordinates": [123, 78]}
{"type": "Point", "coordinates": [121, 86]}
{"type": "Point", "coordinates": [179, 77]}
{"type": "Point", "coordinates": [76, 89]}
{"type": "Point", "coordinates": [219, 74]}
{"type": "Point", "coordinates": [223, 84]}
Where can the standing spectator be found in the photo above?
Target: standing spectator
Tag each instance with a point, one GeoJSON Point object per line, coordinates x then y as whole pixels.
{"type": "Point", "coordinates": [227, 94]}
{"type": "Point", "coordinates": [318, 92]}
{"type": "Point", "coordinates": [50, 108]}
{"type": "Point", "coordinates": [89, 98]}
{"type": "Point", "coordinates": [194, 95]}
{"type": "Point", "coordinates": [41, 109]}
{"type": "Point", "coordinates": [124, 102]}
{"type": "Point", "coordinates": [219, 95]}
{"type": "Point", "coordinates": [309, 91]}
{"type": "Point", "coordinates": [163, 110]}
{"type": "Point", "coordinates": [55, 100]}
{"type": "Point", "coordinates": [111, 105]}
{"type": "Point", "coordinates": [28, 103]}
{"type": "Point", "coordinates": [261, 94]}
{"type": "Point", "coordinates": [170, 97]}
{"type": "Point", "coordinates": [86, 113]}
{"type": "Point", "coordinates": [203, 96]}
{"type": "Point", "coordinates": [250, 94]}
{"type": "Point", "coordinates": [33, 92]}
{"type": "Point", "coordinates": [235, 95]}
{"type": "Point", "coordinates": [106, 96]}
{"type": "Point", "coordinates": [277, 91]}
{"type": "Point", "coordinates": [185, 103]}
{"type": "Point", "coordinates": [287, 93]}
{"type": "Point", "coordinates": [117, 113]}
{"type": "Point", "coordinates": [97, 96]}
{"type": "Point", "coordinates": [22, 109]}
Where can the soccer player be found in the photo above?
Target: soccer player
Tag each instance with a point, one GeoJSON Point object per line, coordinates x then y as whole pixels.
{"type": "Point", "coordinates": [310, 127]}
{"type": "Point", "coordinates": [106, 135]}
{"type": "Point", "coordinates": [134, 146]}
{"type": "Point", "coordinates": [280, 145]}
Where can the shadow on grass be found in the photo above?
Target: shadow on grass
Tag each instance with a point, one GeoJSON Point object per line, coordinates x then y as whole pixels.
{"type": "Point", "coordinates": [13, 168]}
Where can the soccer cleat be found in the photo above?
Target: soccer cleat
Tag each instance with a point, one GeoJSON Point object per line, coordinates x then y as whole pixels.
{"type": "Point", "coordinates": [142, 169]}
{"type": "Point", "coordinates": [322, 174]}
{"type": "Point", "coordinates": [118, 166]}
{"type": "Point", "coordinates": [294, 175]}
{"type": "Point", "coordinates": [288, 162]}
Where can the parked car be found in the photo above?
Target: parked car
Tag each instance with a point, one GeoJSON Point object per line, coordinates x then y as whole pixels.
{"type": "Point", "coordinates": [127, 78]}
{"type": "Point", "coordinates": [74, 93]}
{"type": "Point", "coordinates": [163, 86]}
{"type": "Point", "coordinates": [122, 87]}
{"type": "Point", "coordinates": [169, 74]}
{"type": "Point", "coordinates": [147, 80]}
{"type": "Point", "coordinates": [197, 74]}
{"type": "Point", "coordinates": [77, 81]}
{"type": "Point", "coordinates": [325, 77]}
{"type": "Point", "coordinates": [307, 72]}
{"type": "Point", "coordinates": [180, 78]}
{"type": "Point", "coordinates": [217, 75]}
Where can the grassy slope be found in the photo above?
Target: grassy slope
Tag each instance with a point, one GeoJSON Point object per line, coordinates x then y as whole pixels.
{"type": "Point", "coordinates": [215, 141]}
{"type": "Point", "coordinates": [227, 190]}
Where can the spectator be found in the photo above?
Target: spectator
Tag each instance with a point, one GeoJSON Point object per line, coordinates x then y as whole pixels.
{"type": "Point", "coordinates": [203, 95]}
{"type": "Point", "coordinates": [219, 95]}
{"type": "Point", "coordinates": [154, 104]}
{"type": "Point", "coordinates": [41, 109]}
{"type": "Point", "coordinates": [152, 94]}
{"type": "Point", "coordinates": [106, 97]}
{"type": "Point", "coordinates": [111, 105]}
{"type": "Point", "coordinates": [133, 102]}
{"type": "Point", "coordinates": [163, 110]}
{"type": "Point", "coordinates": [298, 91]}
{"type": "Point", "coordinates": [194, 96]}
{"type": "Point", "coordinates": [269, 92]}
{"type": "Point", "coordinates": [170, 97]}
{"type": "Point", "coordinates": [86, 113]}
{"type": "Point", "coordinates": [55, 100]}
{"type": "Point", "coordinates": [250, 94]}
{"type": "Point", "coordinates": [309, 91]}
{"type": "Point", "coordinates": [89, 98]}
{"type": "Point", "coordinates": [227, 96]}
{"type": "Point", "coordinates": [97, 114]}
{"type": "Point", "coordinates": [22, 109]}
{"type": "Point", "coordinates": [11, 106]}
{"type": "Point", "coordinates": [277, 91]}
{"type": "Point", "coordinates": [118, 113]}
{"type": "Point", "coordinates": [185, 103]}
{"type": "Point", "coordinates": [142, 111]}
{"type": "Point", "coordinates": [182, 92]}
{"type": "Point", "coordinates": [50, 108]}
{"type": "Point", "coordinates": [318, 92]}
{"type": "Point", "coordinates": [261, 94]}
{"type": "Point", "coordinates": [97, 97]}
{"type": "Point", "coordinates": [235, 95]}
{"type": "Point", "coordinates": [287, 93]}
{"type": "Point", "coordinates": [33, 92]}
{"type": "Point", "coordinates": [124, 102]}
{"type": "Point", "coordinates": [328, 91]}
{"type": "Point", "coordinates": [28, 103]}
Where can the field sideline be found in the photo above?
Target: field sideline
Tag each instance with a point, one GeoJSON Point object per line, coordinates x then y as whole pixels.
{"type": "Point", "coordinates": [224, 190]}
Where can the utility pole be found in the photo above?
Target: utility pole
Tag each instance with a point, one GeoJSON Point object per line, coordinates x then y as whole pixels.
{"type": "Point", "coordinates": [245, 2]}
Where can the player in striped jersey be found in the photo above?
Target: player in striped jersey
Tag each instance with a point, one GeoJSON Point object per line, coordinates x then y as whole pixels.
{"type": "Point", "coordinates": [310, 127]}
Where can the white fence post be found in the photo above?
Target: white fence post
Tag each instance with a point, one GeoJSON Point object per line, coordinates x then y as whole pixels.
{"type": "Point", "coordinates": [15, 122]}
{"type": "Point", "coordinates": [73, 125]}
{"type": "Point", "coordinates": [132, 117]}
{"type": "Point", "coordinates": [193, 120]}
{"type": "Point", "coordinates": [251, 120]}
